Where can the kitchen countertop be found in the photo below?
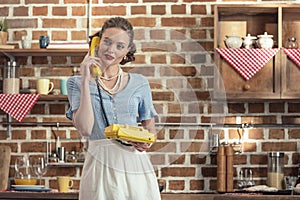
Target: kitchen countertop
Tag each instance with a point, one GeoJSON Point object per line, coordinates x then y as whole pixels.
{"type": "Point", "coordinates": [13, 195]}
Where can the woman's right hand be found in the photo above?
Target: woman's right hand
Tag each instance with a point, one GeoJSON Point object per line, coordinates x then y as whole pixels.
{"type": "Point", "coordinates": [86, 63]}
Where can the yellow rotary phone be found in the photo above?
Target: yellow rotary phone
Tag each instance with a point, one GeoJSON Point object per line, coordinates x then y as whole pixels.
{"type": "Point", "coordinates": [95, 70]}
{"type": "Point", "coordinates": [129, 133]}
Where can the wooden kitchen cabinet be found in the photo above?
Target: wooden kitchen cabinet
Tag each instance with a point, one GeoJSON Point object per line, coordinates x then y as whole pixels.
{"type": "Point", "coordinates": [277, 78]}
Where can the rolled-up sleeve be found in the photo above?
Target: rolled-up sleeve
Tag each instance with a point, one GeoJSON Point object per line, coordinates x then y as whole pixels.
{"type": "Point", "coordinates": [73, 87]}
{"type": "Point", "coordinates": [146, 108]}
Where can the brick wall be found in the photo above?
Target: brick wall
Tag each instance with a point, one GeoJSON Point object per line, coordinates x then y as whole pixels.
{"type": "Point", "coordinates": [174, 39]}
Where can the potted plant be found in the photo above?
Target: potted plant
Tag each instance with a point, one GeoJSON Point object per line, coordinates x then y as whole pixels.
{"type": "Point", "coordinates": [3, 31]}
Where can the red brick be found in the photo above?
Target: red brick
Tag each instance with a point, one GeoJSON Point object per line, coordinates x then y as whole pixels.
{"type": "Point", "coordinates": [157, 159]}
{"type": "Point", "coordinates": [33, 147]}
{"type": "Point", "coordinates": [196, 108]}
{"type": "Point", "coordinates": [236, 108]}
{"type": "Point", "coordinates": [250, 147]}
{"type": "Point", "coordinates": [164, 147]}
{"type": "Point", "coordinates": [294, 107]}
{"type": "Point", "coordinates": [158, 10]}
{"type": "Point", "coordinates": [279, 146]}
{"type": "Point", "coordinates": [41, 1]}
{"type": "Point", "coordinates": [179, 21]}
{"type": "Point", "coordinates": [79, 35]}
{"type": "Point", "coordinates": [158, 46]}
{"type": "Point", "coordinates": [178, 71]}
{"type": "Point", "coordinates": [10, 2]}
{"type": "Point", "coordinates": [22, 23]}
{"type": "Point", "coordinates": [256, 107]}
{"type": "Point", "coordinates": [158, 59]}
{"type": "Point", "coordinates": [38, 134]}
{"type": "Point", "coordinates": [40, 11]}
{"type": "Point", "coordinates": [257, 134]}
{"type": "Point", "coordinates": [193, 147]}
{"type": "Point", "coordinates": [59, 11]}
{"type": "Point", "coordinates": [209, 171]}
{"type": "Point", "coordinates": [177, 59]}
{"type": "Point", "coordinates": [176, 134]}
{"type": "Point", "coordinates": [20, 11]}
{"type": "Point", "coordinates": [198, 10]}
{"type": "Point", "coordinates": [157, 34]}
{"type": "Point", "coordinates": [78, 11]}
{"type": "Point", "coordinates": [294, 133]}
{"type": "Point", "coordinates": [175, 83]}
{"type": "Point", "coordinates": [215, 108]}
{"type": "Point", "coordinates": [109, 10]}
{"type": "Point", "coordinates": [120, 1]}
{"type": "Point", "coordinates": [176, 159]}
{"type": "Point", "coordinates": [18, 134]}
{"type": "Point", "coordinates": [59, 23]}
{"type": "Point", "coordinates": [178, 171]}
{"type": "Point", "coordinates": [240, 159]}
{"type": "Point", "coordinates": [198, 34]}
{"type": "Point", "coordinates": [178, 9]}
{"type": "Point", "coordinates": [176, 185]}
{"type": "Point", "coordinates": [276, 107]}
{"type": "Point", "coordinates": [75, 1]}
{"type": "Point", "coordinates": [196, 134]}
{"type": "Point", "coordinates": [261, 159]}
{"type": "Point", "coordinates": [198, 159]}
{"type": "Point", "coordinates": [59, 35]}
{"type": "Point", "coordinates": [163, 96]}
{"type": "Point", "coordinates": [276, 134]}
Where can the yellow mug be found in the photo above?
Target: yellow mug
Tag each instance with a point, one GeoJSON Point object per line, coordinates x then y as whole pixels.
{"type": "Point", "coordinates": [64, 183]}
{"type": "Point", "coordinates": [44, 86]}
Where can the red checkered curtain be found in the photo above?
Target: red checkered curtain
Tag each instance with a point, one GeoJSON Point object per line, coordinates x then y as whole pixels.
{"type": "Point", "coordinates": [294, 55]}
{"type": "Point", "coordinates": [247, 62]}
{"type": "Point", "coordinates": [18, 105]}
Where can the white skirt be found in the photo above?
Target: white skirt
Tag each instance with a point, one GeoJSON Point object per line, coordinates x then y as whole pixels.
{"type": "Point", "coordinates": [113, 171]}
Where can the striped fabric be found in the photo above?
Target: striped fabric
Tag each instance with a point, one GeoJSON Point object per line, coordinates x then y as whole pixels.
{"type": "Point", "coordinates": [18, 105]}
{"type": "Point", "coordinates": [294, 55]}
{"type": "Point", "coordinates": [247, 62]}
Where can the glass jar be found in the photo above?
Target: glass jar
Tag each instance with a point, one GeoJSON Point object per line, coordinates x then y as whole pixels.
{"type": "Point", "coordinates": [53, 158]}
{"type": "Point", "coordinates": [71, 157]}
{"type": "Point", "coordinates": [11, 81]}
{"type": "Point", "coordinates": [276, 169]}
{"type": "Point", "coordinates": [292, 43]}
{"type": "Point", "coordinates": [24, 174]}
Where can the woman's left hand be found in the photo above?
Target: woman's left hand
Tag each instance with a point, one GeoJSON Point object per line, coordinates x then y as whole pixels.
{"type": "Point", "coordinates": [140, 146]}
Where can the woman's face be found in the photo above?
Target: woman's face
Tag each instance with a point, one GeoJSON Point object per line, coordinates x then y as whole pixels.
{"type": "Point", "coordinates": [114, 45]}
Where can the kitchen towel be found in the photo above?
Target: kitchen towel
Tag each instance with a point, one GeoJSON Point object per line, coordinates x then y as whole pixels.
{"type": "Point", "coordinates": [294, 55]}
{"type": "Point", "coordinates": [247, 62]}
{"type": "Point", "coordinates": [18, 105]}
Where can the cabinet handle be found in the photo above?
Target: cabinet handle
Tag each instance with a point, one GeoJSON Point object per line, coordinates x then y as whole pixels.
{"type": "Point", "coordinates": [246, 87]}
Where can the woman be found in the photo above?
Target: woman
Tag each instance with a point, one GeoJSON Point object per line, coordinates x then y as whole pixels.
{"type": "Point", "coordinates": [113, 170]}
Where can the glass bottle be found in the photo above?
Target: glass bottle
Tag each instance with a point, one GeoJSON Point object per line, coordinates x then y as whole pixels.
{"type": "Point", "coordinates": [292, 43]}
{"type": "Point", "coordinates": [275, 169]}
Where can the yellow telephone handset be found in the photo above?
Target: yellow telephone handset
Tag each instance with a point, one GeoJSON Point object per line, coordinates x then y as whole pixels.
{"type": "Point", "coordinates": [95, 70]}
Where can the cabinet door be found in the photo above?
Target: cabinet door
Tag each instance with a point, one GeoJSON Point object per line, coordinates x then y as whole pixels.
{"type": "Point", "coordinates": [231, 85]}
{"type": "Point", "coordinates": [290, 78]}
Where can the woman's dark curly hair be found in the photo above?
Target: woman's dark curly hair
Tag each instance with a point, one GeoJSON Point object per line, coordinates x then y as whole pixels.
{"type": "Point", "coordinates": [119, 22]}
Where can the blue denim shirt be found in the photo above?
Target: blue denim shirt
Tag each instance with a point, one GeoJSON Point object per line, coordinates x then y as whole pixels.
{"type": "Point", "coordinates": [131, 105]}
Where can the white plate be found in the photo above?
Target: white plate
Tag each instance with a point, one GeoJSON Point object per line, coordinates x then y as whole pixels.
{"type": "Point", "coordinates": [27, 186]}
{"type": "Point", "coordinates": [32, 189]}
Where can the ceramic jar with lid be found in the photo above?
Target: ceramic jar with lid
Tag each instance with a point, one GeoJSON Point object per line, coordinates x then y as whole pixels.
{"type": "Point", "coordinates": [71, 157]}
{"type": "Point", "coordinates": [265, 41]}
{"type": "Point", "coordinates": [292, 43]}
{"type": "Point", "coordinates": [248, 41]}
{"type": "Point", "coordinates": [233, 41]}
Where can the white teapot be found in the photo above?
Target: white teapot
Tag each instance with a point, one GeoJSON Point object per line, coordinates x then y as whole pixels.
{"type": "Point", "coordinates": [265, 41]}
{"type": "Point", "coordinates": [233, 41]}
